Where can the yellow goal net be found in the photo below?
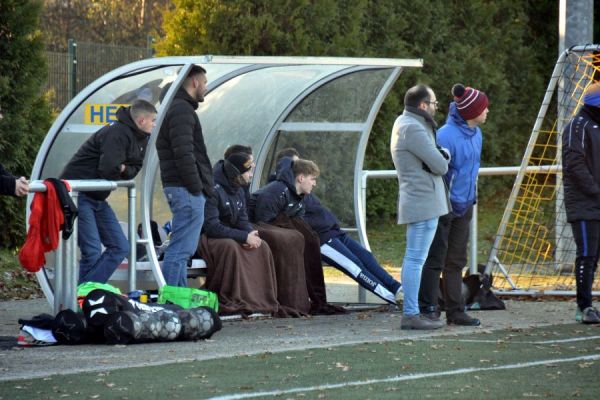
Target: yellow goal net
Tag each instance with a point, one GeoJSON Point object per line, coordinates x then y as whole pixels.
{"type": "Point", "coordinates": [534, 250]}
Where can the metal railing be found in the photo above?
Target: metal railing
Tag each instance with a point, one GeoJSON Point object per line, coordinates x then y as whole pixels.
{"type": "Point", "coordinates": [66, 270]}
{"type": "Point", "coordinates": [489, 171]}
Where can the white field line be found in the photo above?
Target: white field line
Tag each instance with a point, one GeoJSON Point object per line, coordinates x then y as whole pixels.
{"type": "Point", "coordinates": [556, 341]}
{"type": "Point", "coordinates": [400, 378]}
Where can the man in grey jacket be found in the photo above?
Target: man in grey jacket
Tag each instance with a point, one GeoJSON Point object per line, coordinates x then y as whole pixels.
{"type": "Point", "coordinates": [422, 197]}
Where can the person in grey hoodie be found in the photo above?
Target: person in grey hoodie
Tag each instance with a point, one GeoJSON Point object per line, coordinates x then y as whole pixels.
{"type": "Point", "coordinates": [422, 198]}
{"type": "Point", "coordinates": [461, 135]}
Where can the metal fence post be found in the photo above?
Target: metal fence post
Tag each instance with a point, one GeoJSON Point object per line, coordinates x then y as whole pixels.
{"type": "Point", "coordinates": [132, 195]}
{"type": "Point", "coordinates": [59, 260]}
{"type": "Point", "coordinates": [149, 47]}
{"type": "Point", "coordinates": [72, 69]}
{"type": "Point", "coordinates": [71, 266]}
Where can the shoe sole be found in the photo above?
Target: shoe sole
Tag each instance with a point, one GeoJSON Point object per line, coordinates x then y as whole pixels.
{"type": "Point", "coordinates": [413, 328]}
{"type": "Point", "coordinates": [461, 324]}
{"type": "Point", "coordinates": [590, 322]}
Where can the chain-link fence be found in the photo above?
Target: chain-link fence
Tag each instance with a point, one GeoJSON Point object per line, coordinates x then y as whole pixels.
{"type": "Point", "coordinates": [70, 72]}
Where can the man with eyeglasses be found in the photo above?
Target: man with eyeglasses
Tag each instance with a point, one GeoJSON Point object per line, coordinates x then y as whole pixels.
{"type": "Point", "coordinates": [422, 198]}
{"type": "Point", "coordinates": [461, 135]}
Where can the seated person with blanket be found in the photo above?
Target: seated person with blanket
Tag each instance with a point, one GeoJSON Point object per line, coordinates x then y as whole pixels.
{"type": "Point", "coordinates": [280, 204]}
{"type": "Point", "coordinates": [339, 250]}
{"type": "Point", "coordinates": [240, 267]}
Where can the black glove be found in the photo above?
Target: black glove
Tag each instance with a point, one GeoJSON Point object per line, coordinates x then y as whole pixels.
{"type": "Point", "coordinates": [444, 151]}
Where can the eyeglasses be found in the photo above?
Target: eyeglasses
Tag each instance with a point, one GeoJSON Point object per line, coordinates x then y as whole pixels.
{"type": "Point", "coordinates": [435, 103]}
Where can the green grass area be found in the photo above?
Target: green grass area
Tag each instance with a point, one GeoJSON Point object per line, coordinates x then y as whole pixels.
{"type": "Point", "coordinates": [483, 365]}
{"type": "Point", "coordinates": [15, 282]}
{"type": "Point", "coordinates": [388, 240]}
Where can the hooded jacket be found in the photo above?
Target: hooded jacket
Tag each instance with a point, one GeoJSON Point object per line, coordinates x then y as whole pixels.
{"type": "Point", "coordinates": [181, 150]}
{"type": "Point", "coordinates": [464, 144]}
{"type": "Point", "coordinates": [101, 156]}
{"type": "Point", "coordinates": [277, 196]}
{"type": "Point", "coordinates": [581, 165]}
{"type": "Point", "coordinates": [225, 213]}
{"type": "Point", "coordinates": [320, 219]}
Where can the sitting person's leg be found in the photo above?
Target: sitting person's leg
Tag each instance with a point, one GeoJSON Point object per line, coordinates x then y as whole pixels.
{"type": "Point", "coordinates": [345, 254]}
{"type": "Point", "coordinates": [315, 281]}
{"type": "Point", "coordinates": [287, 248]}
{"type": "Point", "coordinates": [370, 263]}
{"type": "Point", "coordinates": [244, 279]}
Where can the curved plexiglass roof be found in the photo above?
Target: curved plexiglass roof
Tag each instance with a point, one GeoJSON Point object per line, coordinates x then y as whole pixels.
{"type": "Point", "coordinates": [324, 107]}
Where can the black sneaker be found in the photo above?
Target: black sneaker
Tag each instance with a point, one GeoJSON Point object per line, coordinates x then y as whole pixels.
{"type": "Point", "coordinates": [462, 318]}
{"type": "Point", "coordinates": [590, 316]}
{"type": "Point", "coordinates": [431, 313]}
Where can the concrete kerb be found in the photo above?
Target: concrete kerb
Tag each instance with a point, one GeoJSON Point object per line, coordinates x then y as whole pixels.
{"type": "Point", "coordinates": [240, 338]}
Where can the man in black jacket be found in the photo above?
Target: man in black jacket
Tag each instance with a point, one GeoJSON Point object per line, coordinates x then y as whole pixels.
{"type": "Point", "coordinates": [11, 185]}
{"type": "Point", "coordinates": [338, 249]}
{"type": "Point", "coordinates": [581, 174]}
{"type": "Point", "coordinates": [115, 152]}
{"type": "Point", "coordinates": [186, 174]}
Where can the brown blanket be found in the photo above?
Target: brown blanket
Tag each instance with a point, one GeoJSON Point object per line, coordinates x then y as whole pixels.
{"type": "Point", "coordinates": [244, 279]}
{"type": "Point", "coordinates": [287, 247]}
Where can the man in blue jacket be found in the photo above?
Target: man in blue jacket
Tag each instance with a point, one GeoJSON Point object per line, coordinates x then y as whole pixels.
{"type": "Point", "coordinates": [461, 135]}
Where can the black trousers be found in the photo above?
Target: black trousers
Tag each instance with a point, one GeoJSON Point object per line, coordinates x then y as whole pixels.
{"type": "Point", "coordinates": [587, 239]}
{"type": "Point", "coordinates": [447, 256]}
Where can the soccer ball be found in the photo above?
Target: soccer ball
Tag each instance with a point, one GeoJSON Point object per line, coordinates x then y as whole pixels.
{"type": "Point", "coordinates": [190, 325]}
{"type": "Point", "coordinates": [149, 326]}
{"type": "Point", "coordinates": [209, 322]}
{"type": "Point", "coordinates": [169, 325]}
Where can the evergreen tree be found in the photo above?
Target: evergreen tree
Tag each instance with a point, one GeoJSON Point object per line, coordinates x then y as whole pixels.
{"type": "Point", "coordinates": [499, 46]}
{"type": "Point", "coordinates": [26, 111]}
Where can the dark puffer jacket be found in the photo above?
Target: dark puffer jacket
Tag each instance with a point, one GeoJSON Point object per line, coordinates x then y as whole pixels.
{"type": "Point", "coordinates": [7, 182]}
{"type": "Point", "coordinates": [225, 213]}
{"type": "Point", "coordinates": [278, 196]}
{"type": "Point", "coordinates": [101, 156]}
{"type": "Point", "coordinates": [320, 219]}
{"type": "Point", "coordinates": [181, 149]}
{"type": "Point", "coordinates": [581, 165]}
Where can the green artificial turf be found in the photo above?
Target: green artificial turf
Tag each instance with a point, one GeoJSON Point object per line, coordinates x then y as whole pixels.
{"type": "Point", "coordinates": [351, 366]}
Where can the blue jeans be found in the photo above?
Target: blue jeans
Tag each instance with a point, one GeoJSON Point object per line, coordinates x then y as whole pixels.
{"type": "Point", "coordinates": [97, 224]}
{"type": "Point", "coordinates": [188, 217]}
{"type": "Point", "coordinates": [419, 236]}
{"type": "Point", "coordinates": [347, 255]}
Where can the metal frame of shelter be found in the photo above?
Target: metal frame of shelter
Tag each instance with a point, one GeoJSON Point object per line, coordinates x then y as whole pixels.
{"type": "Point", "coordinates": [331, 103]}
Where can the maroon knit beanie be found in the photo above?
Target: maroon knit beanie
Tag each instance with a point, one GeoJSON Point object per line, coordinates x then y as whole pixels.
{"type": "Point", "coordinates": [470, 102]}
